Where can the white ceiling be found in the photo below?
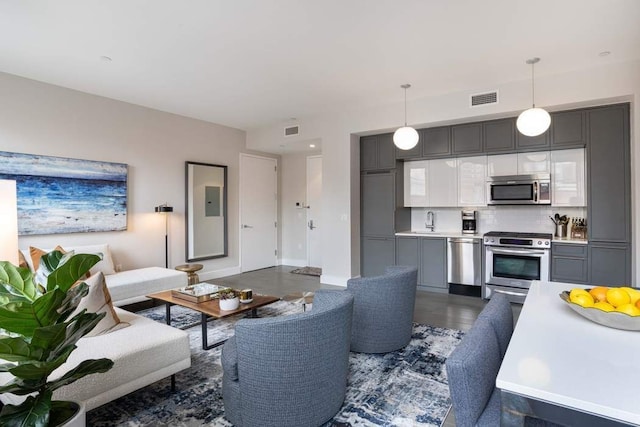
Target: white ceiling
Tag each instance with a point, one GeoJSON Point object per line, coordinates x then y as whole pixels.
{"type": "Point", "coordinates": [253, 63]}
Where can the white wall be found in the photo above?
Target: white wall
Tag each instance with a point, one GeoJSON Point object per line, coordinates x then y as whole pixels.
{"type": "Point", "coordinates": [614, 82]}
{"type": "Point", "coordinates": [38, 118]}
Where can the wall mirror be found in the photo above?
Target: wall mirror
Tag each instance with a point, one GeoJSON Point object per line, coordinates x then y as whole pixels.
{"type": "Point", "coordinates": [206, 211]}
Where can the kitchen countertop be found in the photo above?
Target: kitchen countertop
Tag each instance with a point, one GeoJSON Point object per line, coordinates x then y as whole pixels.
{"type": "Point", "coordinates": [443, 234]}
{"type": "Point", "coordinates": [569, 240]}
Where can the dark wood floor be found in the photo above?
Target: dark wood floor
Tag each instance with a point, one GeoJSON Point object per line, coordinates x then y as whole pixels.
{"type": "Point", "coordinates": [437, 309]}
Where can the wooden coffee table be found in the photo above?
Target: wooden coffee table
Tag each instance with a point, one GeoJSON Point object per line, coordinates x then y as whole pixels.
{"type": "Point", "coordinates": [211, 310]}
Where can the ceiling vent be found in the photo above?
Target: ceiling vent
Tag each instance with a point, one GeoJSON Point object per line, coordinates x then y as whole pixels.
{"type": "Point", "coordinates": [292, 130]}
{"type": "Point", "coordinates": [486, 98]}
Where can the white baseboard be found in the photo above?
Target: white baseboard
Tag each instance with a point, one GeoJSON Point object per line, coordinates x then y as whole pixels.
{"type": "Point", "coordinates": [216, 274]}
{"type": "Point", "coordinates": [293, 262]}
{"type": "Point", "coordinates": [334, 280]}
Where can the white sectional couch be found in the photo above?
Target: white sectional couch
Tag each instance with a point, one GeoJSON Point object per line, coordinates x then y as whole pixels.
{"type": "Point", "coordinates": [125, 287]}
{"type": "Point", "coordinates": [143, 352]}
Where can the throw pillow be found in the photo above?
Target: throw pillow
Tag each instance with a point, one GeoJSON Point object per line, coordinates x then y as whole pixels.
{"type": "Point", "coordinates": [106, 266]}
{"type": "Point", "coordinates": [98, 300]}
{"type": "Point", "coordinates": [37, 253]}
{"type": "Point", "coordinates": [22, 261]}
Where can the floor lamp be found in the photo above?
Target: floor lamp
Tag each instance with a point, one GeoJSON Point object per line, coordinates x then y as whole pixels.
{"type": "Point", "coordinates": [165, 209]}
{"type": "Point", "coordinates": [8, 222]}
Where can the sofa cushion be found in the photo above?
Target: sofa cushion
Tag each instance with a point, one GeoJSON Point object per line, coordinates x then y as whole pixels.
{"type": "Point", "coordinates": [98, 300]}
{"type": "Point", "coordinates": [132, 285]}
{"type": "Point", "coordinates": [105, 265]}
{"type": "Point", "coordinates": [36, 253]}
{"type": "Point", "coordinates": [137, 351]}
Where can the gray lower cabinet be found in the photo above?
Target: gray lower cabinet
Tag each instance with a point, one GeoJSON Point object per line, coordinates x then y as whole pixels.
{"type": "Point", "coordinates": [408, 253]}
{"type": "Point", "coordinates": [609, 264]}
{"type": "Point", "coordinates": [569, 263]}
{"type": "Point", "coordinates": [433, 262]}
{"type": "Point", "coordinates": [377, 254]}
{"type": "Point", "coordinates": [429, 254]}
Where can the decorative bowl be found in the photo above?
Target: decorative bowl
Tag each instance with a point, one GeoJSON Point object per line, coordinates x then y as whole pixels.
{"type": "Point", "coordinates": [611, 319]}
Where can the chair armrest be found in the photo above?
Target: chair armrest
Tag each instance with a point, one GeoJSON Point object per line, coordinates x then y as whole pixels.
{"type": "Point", "coordinates": [229, 359]}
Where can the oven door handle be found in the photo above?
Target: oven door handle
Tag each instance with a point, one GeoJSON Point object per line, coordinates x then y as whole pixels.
{"type": "Point", "coordinates": [515, 294]}
{"type": "Point", "coordinates": [516, 252]}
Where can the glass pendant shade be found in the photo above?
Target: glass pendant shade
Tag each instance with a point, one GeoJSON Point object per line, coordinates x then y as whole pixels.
{"type": "Point", "coordinates": [533, 122]}
{"type": "Point", "coordinates": [405, 138]}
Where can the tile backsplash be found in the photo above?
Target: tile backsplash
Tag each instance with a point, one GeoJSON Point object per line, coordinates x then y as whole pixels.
{"type": "Point", "coordinates": [530, 219]}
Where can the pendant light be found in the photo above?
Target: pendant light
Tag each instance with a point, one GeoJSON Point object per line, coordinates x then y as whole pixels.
{"type": "Point", "coordinates": [406, 137]}
{"type": "Point", "coordinates": [534, 121]}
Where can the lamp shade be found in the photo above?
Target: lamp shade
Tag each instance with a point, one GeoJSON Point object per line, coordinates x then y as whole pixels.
{"type": "Point", "coordinates": [8, 222]}
{"type": "Point", "coordinates": [164, 208]}
{"type": "Point", "coordinates": [533, 122]}
{"type": "Point", "coordinates": [405, 138]}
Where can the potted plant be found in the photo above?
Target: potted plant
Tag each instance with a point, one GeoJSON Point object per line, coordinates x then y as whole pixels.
{"type": "Point", "coordinates": [229, 299]}
{"type": "Point", "coordinates": [38, 333]}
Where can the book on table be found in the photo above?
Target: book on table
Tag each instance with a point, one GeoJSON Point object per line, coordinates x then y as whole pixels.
{"type": "Point", "coordinates": [199, 292]}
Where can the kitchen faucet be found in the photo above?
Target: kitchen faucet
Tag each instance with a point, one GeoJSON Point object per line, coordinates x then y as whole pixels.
{"type": "Point", "coordinates": [430, 224]}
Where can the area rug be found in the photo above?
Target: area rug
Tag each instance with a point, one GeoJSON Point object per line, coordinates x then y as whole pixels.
{"type": "Point", "coordinates": [308, 271]}
{"type": "Point", "coordinates": [402, 388]}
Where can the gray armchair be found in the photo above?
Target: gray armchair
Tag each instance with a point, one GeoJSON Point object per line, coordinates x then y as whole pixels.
{"type": "Point", "coordinates": [289, 370]}
{"type": "Point", "coordinates": [383, 310]}
{"type": "Point", "coordinates": [472, 369]}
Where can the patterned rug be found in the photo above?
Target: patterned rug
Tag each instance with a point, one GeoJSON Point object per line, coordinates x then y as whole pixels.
{"type": "Point", "coordinates": [309, 271]}
{"type": "Point", "coordinates": [403, 388]}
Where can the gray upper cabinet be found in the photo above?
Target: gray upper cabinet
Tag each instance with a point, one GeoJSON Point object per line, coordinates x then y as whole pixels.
{"type": "Point", "coordinates": [524, 142]}
{"type": "Point", "coordinates": [568, 129]}
{"type": "Point", "coordinates": [378, 204]}
{"type": "Point", "coordinates": [436, 142]}
{"type": "Point", "coordinates": [608, 179]}
{"type": "Point", "coordinates": [414, 153]}
{"type": "Point", "coordinates": [377, 152]}
{"type": "Point", "coordinates": [466, 139]}
{"type": "Point", "coordinates": [499, 135]}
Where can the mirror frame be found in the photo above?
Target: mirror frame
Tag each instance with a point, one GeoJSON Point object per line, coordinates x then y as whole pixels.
{"type": "Point", "coordinates": [190, 208]}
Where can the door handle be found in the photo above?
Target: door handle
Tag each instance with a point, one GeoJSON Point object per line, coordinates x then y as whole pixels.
{"type": "Point", "coordinates": [311, 226]}
{"type": "Point", "coordinates": [247, 226]}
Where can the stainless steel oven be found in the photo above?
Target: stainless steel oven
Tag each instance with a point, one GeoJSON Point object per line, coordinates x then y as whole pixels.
{"type": "Point", "coordinates": [513, 260]}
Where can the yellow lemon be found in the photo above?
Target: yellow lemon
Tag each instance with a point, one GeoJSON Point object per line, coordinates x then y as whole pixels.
{"type": "Point", "coordinates": [629, 309]}
{"type": "Point", "coordinates": [617, 297]}
{"type": "Point", "coordinates": [604, 306]}
{"type": "Point", "coordinates": [583, 299]}
{"type": "Point", "coordinates": [599, 293]}
{"type": "Point", "coordinates": [634, 294]}
{"type": "Point", "coordinates": [577, 291]}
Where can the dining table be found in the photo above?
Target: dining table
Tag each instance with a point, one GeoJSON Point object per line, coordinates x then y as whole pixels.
{"type": "Point", "coordinates": [564, 368]}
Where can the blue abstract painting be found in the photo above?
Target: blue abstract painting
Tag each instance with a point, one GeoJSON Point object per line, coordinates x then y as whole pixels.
{"type": "Point", "coordinates": [60, 195]}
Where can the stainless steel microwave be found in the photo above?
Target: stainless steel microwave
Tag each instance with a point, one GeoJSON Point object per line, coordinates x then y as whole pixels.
{"type": "Point", "coordinates": [519, 190]}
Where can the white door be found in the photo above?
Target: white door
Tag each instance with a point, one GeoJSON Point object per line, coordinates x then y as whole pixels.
{"type": "Point", "coordinates": [314, 203]}
{"type": "Point", "coordinates": [258, 212]}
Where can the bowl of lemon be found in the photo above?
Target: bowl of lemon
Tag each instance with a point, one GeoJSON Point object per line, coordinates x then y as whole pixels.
{"type": "Point", "coordinates": [609, 306]}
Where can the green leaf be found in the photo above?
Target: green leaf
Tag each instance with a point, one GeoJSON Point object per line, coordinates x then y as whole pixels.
{"type": "Point", "coordinates": [19, 280]}
{"type": "Point", "coordinates": [24, 318]}
{"type": "Point", "coordinates": [18, 350]}
{"type": "Point", "coordinates": [72, 300]}
{"type": "Point", "coordinates": [40, 370]}
{"type": "Point", "coordinates": [66, 274]}
{"type": "Point", "coordinates": [79, 326]}
{"type": "Point", "coordinates": [34, 411]}
{"type": "Point", "coordinates": [22, 387]}
{"type": "Point", "coordinates": [86, 367]}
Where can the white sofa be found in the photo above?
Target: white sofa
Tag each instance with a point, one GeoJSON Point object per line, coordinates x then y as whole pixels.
{"type": "Point", "coordinates": [125, 287]}
{"type": "Point", "coordinates": [144, 352]}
